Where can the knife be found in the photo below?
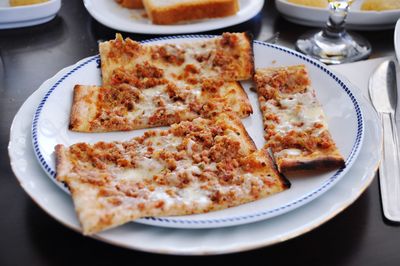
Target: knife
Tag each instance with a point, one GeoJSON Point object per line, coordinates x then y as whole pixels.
{"type": "Point", "coordinates": [383, 93]}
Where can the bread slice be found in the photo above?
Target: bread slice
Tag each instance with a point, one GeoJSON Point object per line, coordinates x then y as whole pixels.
{"type": "Point", "coordinates": [174, 11]}
{"type": "Point", "coordinates": [134, 4]}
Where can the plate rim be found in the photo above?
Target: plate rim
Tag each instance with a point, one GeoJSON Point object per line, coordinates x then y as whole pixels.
{"type": "Point", "coordinates": [174, 29]}
{"type": "Point", "coordinates": [180, 222]}
{"type": "Point", "coordinates": [396, 37]}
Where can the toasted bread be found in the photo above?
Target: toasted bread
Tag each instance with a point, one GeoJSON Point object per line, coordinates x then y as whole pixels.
{"type": "Point", "coordinates": [174, 11]}
{"type": "Point", "coordinates": [134, 4]}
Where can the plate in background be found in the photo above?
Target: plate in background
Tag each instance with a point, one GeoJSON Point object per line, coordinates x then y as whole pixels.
{"type": "Point", "coordinates": [30, 15]}
{"type": "Point", "coordinates": [357, 19]}
{"type": "Point", "coordinates": [112, 15]}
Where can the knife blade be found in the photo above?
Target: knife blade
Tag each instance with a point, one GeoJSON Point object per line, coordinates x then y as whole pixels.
{"type": "Point", "coordinates": [383, 94]}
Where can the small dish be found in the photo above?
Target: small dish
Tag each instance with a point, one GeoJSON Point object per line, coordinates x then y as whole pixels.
{"type": "Point", "coordinates": [30, 15]}
{"type": "Point", "coordinates": [357, 19]}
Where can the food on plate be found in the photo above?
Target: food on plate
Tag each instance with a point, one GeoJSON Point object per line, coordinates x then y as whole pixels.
{"type": "Point", "coordinates": [192, 167]}
{"type": "Point", "coordinates": [380, 5]}
{"type": "Point", "coordinates": [171, 12]}
{"type": "Point", "coordinates": [156, 85]}
{"type": "Point", "coordinates": [229, 57]}
{"type": "Point", "coordinates": [134, 4]}
{"type": "Point", "coordinates": [296, 130]}
{"type": "Point", "coordinates": [125, 107]}
{"type": "Point", "coordinates": [312, 3]}
{"type": "Point", "coordinates": [26, 2]}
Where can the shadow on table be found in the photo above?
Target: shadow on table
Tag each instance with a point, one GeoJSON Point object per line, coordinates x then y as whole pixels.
{"type": "Point", "coordinates": [35, 37]}
{"type": "Point", "coordinates": [57, 245]}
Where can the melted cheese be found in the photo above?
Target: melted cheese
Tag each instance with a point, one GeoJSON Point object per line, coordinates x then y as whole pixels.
{"type": "Point", "coordinates": [288, 153]}
{"type": "Point", "coordinates": [146, 169]}
{"type": "Point", "coordinates": [299, 112]}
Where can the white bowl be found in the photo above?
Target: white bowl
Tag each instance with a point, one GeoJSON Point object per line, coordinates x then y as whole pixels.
{"type": "Point", "coordinates": [23, 16]}
{"type": "Point", "coordinates": [357, 19]}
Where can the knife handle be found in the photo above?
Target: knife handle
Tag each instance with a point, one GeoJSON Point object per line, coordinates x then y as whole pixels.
{"type": "Point", "coordinates": [389, 170]}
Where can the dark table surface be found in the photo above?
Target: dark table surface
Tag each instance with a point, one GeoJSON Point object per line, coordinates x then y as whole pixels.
{"type": "Point", "coordinates": [28, 236]}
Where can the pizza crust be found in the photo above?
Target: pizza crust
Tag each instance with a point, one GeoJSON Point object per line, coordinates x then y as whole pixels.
{"type": "Point", "coordinates": [83, 108]}
{"type": "Point", "coordinates": [322, 162]}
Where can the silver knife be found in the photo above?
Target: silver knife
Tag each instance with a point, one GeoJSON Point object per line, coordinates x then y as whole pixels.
{"type": "Point", "coordinates": [383, 93]}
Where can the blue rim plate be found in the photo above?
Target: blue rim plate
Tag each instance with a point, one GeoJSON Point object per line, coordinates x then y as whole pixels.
{"type": "Point", "coordinates": [345, 120]}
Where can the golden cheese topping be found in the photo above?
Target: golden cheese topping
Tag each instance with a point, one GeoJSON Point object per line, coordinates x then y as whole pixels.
{"type": "Point", "coordinates": [294, 122]}
{"type": "Point", "coordinates": [228, 57]}
{"type": "Point", "coordinates": [193, 167]}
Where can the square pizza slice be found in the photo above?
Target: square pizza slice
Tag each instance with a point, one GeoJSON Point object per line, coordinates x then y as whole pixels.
{"type": "Point", "coordinates": [125, 107]}
{"type": "Point", "coordinates": [229, 57]}
{"type": "Point", "coordinates": [295, 126]}
{"type": "Point", "coordinates": [194, 167]}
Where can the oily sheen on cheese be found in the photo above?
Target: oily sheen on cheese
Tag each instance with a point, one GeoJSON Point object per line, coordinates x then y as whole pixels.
{"type": "Point", "coordinates": [193, 167]}
{"type": "Point", "coordinates": [228, 58]}
{"type": "Point", "coordinates": [125, 107]}
{"type": "Point", "coordinates": [295, 126]}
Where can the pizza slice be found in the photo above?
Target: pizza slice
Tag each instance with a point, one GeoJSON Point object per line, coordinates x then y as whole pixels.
{"type": "Point", "coordinates": [124, 107]}
{"type": "Point", "coordinates": [193, 167]}
{"type": "Point", "coordinates": [296, 130]}
{"type": "Point", "coordinates": [229, 57]}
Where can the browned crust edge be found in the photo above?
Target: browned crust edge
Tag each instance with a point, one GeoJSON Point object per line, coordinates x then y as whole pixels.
{"type": "Point", "coordinates": [250, 38]}
{"type": "Point", "coordinates": [186, 12]}
{"type": "Point", "coordinates": [74, 120]}
{"type": "Point", "coordinates": [248, 110]}
{"type": "Point", "coordinates": [325, 163]}
{"type": "Point", "coordinates": [284, 181]}
{"type": "Point", "coordinates": [60, 160]}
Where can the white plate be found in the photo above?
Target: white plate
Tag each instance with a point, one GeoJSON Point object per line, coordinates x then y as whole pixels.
{"type": "Point", "coordinates": [23, 16]}
{"type": "Point", "coordinates": [397, 40]}
{"type": "Point", "coordinates": [110, 14]}
{"type": "Point", "coordinates": [50, 127]}
{"type": "Point", "coordinates": [195, 242]}
{"type": "Point", "coordinates": [357, 19]}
